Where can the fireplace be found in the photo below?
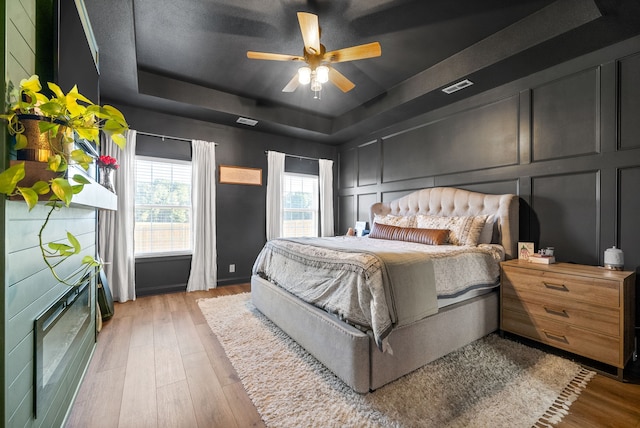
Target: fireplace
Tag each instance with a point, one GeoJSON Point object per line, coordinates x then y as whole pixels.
{"type": "Point", "coordinates": [58, 335]}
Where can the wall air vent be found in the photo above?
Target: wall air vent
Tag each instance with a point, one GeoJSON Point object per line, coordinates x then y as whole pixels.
{"type": "Point", "coordinates": [247, 121]}
{"type": "Point", "coordinates": [457, 86]}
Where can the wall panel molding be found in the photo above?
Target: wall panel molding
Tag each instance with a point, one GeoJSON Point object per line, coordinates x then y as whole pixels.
{"type": "Point", "coordinates": [565, 117]}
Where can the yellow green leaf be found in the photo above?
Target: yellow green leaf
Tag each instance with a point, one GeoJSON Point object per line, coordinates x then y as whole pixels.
{"type": "Point", "coordinates": [74, 241]}
{"type": "Point", "coordinates": [55, 162]}
{"type": "Point", "coordinates": [62, 189]}
{"type": "Point", "coordinates": [79, 178]}
{"type": "Point", "coordinates": [21, 141]}
{"type": "Point", "coordinates": [41, 187]}
{"type": "Point", "coordinates": [10, 177]}
{"type": "Point", "coordinates": [90, 261]}
{"type": "Point", "coordinates": [30, 197]}
{"type": "Point", "coordinates": [56, 89]}
{"type": "Point", "coordinates": [81, 158]}
{"type": "Point", "coordinates": [119, 140]}
{"type": "Point", "coordinates": [91, 134]}
{"type": "Point", "coordinates": [31, 84]}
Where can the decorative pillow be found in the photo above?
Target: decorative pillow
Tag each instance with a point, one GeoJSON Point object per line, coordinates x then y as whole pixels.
{"type": "Point", "coordinates": [486, 236]}
{"type": "Point", "coordinates": [462, 230]}
{"type": "Point", "coordinates": [395, 220]}
{"type": "Point", "coordinates": [409, 234]}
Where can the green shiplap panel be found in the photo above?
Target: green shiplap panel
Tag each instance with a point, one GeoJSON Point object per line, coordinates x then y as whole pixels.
{"type": "Point", "coordinates": [18, 210]}
{"type": "Point", "coordinates": [18, 356]}
{"type": "Point", "coordinates": [21, 51]}
{"type": "Point", "coordinates": [22, 11]}
{"type": "Point", "coordinates": [21, 388]}
{"type": "Point", "coordinates": [20, 325]}
{"type": "Point", "coordinates": [21, 294]}
{"type": "Point", "coordinates": [25, 263]}
{"type": "Point", "coordinates": [29, 230]}
{"type": "Point", "coordinates": [14, 69]}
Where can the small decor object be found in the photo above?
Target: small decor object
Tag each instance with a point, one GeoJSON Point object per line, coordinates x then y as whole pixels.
{"type": "Point", "coordinates": [351, 232]}
{"type": "Point", "coordinates": [614, 258]}
{"type": "Point", "coordinates": [525, 249]}
{"type": "Point", "coordinates": [361, 226]}
{"type": "Point", "coordinates": [108, 166]}
{"type": "Point", "coordinates": [541, 259]}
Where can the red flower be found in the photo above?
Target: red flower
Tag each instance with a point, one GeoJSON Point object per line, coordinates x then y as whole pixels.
{"type": "Point", "coordinates": [108, 162]}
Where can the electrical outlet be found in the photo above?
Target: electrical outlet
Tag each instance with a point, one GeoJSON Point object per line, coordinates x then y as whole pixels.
{"type": "Point", "coordinates": [232, 268]}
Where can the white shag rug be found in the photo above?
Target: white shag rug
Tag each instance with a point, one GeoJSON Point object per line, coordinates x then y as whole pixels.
{"type": "Point", "coordinates": [492, 382]}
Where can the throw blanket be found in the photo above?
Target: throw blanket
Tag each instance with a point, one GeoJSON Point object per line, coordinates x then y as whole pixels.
{"type": "Point", "coordinates": [373, 290]}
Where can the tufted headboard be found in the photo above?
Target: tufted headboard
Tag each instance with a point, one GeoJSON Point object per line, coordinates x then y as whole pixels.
{"type": "Point", "coordinates": [449, 201]}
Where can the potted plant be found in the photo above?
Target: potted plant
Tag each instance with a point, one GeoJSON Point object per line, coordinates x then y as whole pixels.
{"type": "Point", "coordinates": [50, 125]}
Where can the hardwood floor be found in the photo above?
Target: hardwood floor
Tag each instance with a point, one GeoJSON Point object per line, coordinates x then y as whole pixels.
{"type": "Point", "coordinates": [157, 364]}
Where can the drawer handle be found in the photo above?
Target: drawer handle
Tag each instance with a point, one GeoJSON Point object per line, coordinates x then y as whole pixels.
{"type": "Point", "coordinates": [559, 312]}
{"type": "Point", "coordinates": [556, 337]}
{"type": "Point", "coordinates": [559, 287]}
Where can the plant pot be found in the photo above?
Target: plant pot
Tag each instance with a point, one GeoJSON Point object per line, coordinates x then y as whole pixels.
{"type": "Point", "coordinates": [41, 146]}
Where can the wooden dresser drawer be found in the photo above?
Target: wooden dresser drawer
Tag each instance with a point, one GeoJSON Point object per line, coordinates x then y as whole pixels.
{"type": "Point", "coordinates": [600, 319]}
{"type": "Point", "coordinates": [561, 286]}
{"type": "Point", "coordinates": [574, 339]}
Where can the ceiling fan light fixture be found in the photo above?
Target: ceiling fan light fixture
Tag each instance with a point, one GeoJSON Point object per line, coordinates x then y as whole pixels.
{"type": "Point", "coordinates": [304, 75]}
{"type": "Point", "coordinates": [322, 74]}
{"type": "Point", "coordinates": [316, 85]}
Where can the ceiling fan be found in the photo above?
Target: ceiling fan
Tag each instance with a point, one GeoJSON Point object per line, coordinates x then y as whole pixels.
{"type": "Point", "coordinates": [318, 69]}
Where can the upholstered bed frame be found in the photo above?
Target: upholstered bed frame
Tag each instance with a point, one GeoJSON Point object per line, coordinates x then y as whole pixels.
{"type": "Point", "coordinates": [352, 354]}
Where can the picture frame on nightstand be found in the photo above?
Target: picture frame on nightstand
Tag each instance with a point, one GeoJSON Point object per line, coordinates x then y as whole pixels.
{"type": "Point", "coordinates": [525, 249]}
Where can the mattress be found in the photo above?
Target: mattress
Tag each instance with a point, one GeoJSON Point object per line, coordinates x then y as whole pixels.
{"type": "Point", "coordinates": [356, 279]}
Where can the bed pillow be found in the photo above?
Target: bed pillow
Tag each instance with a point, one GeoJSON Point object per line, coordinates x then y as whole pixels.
{"type": "Point", "coordinates": [409, 234]}
{"type": "Point", "coordinates": [486, 236]}
{"type": "Point", "coordinates": [395, 220]}
{"type": "Point", "coordinates": [462, 230]}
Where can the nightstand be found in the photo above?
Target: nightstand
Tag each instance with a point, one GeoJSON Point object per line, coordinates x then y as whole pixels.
{"type": "Point", "coordinates": [585, 310]}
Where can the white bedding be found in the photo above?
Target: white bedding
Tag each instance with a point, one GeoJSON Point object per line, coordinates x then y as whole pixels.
{"type": "Point", "coordinates": [354, 286]}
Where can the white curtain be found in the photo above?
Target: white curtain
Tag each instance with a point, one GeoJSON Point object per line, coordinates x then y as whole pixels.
{"type": "Point", "coordinates": [116, 228]}
{"type": "Point", "coordinates": [275, 180]}
{"type": "Point", "coordinates": [326, 197]}
{"type": "Point", "coordinates": [203, 274]}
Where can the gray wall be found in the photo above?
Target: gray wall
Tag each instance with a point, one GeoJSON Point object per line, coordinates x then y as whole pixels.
{"type": "Point", "coordinates": [566, 140]}
{"type": "Point", "coordinates": [240, 209]}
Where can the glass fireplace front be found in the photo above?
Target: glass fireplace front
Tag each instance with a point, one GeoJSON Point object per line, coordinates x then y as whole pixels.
{"type": "Point", "coordinates": [58, 335]}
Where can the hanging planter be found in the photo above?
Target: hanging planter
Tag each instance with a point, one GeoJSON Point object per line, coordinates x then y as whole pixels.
{"type": "Point", "coordinates": [42, 145]}
{"type": "Point", "coordinates": [45, 129]}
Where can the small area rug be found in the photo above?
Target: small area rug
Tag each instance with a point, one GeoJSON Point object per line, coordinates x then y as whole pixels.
{"type": "Point", "coordinates": [493, 382]}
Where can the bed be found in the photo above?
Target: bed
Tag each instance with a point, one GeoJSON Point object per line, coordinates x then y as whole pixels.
{"type": "Point", "coordinates": [392, 304]}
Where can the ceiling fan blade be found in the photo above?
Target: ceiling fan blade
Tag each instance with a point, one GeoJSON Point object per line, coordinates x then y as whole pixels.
{"type": "Point", "coordinates": [292, 85]}
{"type": "Point", "coordinates": [340, 81]}
{"type": "Point", "coordinates": [273, 56]}
{"type": "Point", "coordinates": [370, 50]}
{"type": "Point", "coordinates": [310, 32]}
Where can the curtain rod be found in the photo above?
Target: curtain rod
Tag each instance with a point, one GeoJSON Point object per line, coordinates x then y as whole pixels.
{"type": "Point", "coordinates": [296, 156]}
{"type": "Point", "coordinates": [165, 136]}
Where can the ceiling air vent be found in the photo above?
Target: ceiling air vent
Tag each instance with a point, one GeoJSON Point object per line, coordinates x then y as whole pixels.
{"type": "Point", "coordinates": [457, 86]}
{"type": "Point", "coordinates": [247, 121]}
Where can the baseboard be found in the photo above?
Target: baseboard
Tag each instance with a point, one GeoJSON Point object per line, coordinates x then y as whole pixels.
{"type": "Point", "coordinates": [234, 281]}
{"type": "Point", "coordinates": [161, 289]}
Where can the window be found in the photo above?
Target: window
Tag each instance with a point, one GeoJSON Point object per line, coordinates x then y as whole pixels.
{"type": "Point", "coordinates": [163, 206]}
{"type": "Point", "coordinates": [300, 205]}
